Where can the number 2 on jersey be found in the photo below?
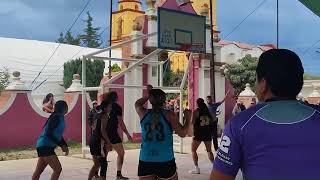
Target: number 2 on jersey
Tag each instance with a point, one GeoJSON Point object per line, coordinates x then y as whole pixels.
{"type": "Point", "coordinates": [225, 144]}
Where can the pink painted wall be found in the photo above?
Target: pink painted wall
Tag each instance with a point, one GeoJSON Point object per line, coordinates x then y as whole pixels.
{"type": "Point", "coordinates": [21, 124]}
{"type": "Point", "coordinates": [193, 91]}
{"type": "Point", "coordinates": [120, 92]}
{"type": "Point", "coordinates": [74, 122]}
{"type": "Point", "coordinates": [230, 101]}
{"type": "Point", "coordinates": [172, 4]}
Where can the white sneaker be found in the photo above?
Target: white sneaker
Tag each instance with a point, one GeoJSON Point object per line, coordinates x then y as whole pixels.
{"type": "Point", "coordinates": [196, 170]}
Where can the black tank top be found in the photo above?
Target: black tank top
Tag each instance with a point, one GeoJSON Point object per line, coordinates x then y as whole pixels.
{"type": "Point", "coordinates": [96, 132]}
{"type": "Point", "coordinates": [203, 122]}
{"type": "Point", "coordinates": [112, 125]}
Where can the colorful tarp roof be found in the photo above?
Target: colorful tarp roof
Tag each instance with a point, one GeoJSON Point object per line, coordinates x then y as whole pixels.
{"type": "Point", "coordinates": [313, 5]}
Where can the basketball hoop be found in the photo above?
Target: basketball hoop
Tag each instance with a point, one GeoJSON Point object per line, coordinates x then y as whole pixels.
{"type": "Point", "coordinates": [188, 47]}
{"type": "Point", "coordinates": [185, 47]}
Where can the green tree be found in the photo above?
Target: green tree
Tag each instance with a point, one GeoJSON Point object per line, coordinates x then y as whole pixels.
{"type": "Point", "coordinates": [115, 68]}
{"type": "Point", "coordinates": [242, 72]}
{"type": "Point", "coordinates": [91, 38]}
{"type": "Point", "coordinates": [307, 76]}
{"type": "Point", "coordinates": [171, 78]}
{"type": "Point", "coordinates": [4, 78]}
{"type": "Point", "coordinates": [94, 73]}
{"type": "Point", "coordinates": [68, 39]}
{"type": "Point", "coordinates": [61, 39]}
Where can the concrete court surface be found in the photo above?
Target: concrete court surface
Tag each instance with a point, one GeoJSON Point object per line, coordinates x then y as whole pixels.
{"type": "Point", "coordinates": [77, 168]}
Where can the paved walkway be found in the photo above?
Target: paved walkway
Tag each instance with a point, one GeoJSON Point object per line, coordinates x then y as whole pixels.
{"type": "Point", "coordinates": [78, 168]}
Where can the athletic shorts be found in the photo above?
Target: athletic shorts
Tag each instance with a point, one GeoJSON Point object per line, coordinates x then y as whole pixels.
{"type": "Point", "coordinates": [202, 138]}
{"type": "Point", "coordinates": [45, 151]}
{"type": "Point", "coordinates": [98, 150]}
{"type": "Point", "coordinates": [162, 170]}
{"type": "Point", "coordinates": [114, 138]}
{"type": "Point", "coordinates": [95, 146]}
{"type": "Point", "coordinates": [203, 135]}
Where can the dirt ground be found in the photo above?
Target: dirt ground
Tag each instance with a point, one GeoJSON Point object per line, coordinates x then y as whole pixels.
{"type": "Point", "coordinates": [30, 152]}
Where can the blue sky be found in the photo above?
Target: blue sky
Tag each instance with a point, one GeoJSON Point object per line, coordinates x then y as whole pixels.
{"type": "Point", "coordinates": [299, 27]}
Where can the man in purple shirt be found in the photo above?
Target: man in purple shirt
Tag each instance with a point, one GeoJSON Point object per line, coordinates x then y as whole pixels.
{"type": "Point", "coordinates": [277, 139]}
{"type": "Point", "coordinates": [213, 111]}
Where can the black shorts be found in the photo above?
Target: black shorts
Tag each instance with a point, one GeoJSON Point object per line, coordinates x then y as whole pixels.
{"type": "Point", "coordinates": [114, 138]}
{"type": "Point", "coordinates": [95, 146]}
{"type": "Point", "coordinates": [95, 150]}
{"type": "Point", "coordinates": [202, 138]}
{"type": "Point", "coordinates": [203, 135]}
{"type": "Point", "coordinates": [45, 151]}
{"type": "Point", "coordinates": [162, 170]}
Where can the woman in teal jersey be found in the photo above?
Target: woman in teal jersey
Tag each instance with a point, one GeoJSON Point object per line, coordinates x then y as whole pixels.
{"type": "Point", "coordinates": [50, 138]}
{"type": "Point", "coordinates": [157, 125]}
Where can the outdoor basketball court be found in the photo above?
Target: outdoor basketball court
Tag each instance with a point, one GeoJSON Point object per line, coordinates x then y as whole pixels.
{"type": "Point", "coordinates": [77, 168]}
{"type": "Point", "coordinates": [177, 31]}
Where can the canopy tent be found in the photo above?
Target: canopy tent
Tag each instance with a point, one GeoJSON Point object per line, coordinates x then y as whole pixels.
{"type": "Point", "coordinates": [313, 5]}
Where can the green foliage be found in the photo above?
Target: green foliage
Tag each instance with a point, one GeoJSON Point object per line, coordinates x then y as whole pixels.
{"type": "Point", "coordinates": [91, 38]}
{"type": "Point", "coordinates": [4, 78]}
{"type": "Point", "coordinates": [307, 76]}
{"type": "Point", "coordinates": [242, 73]}
{"type": "Point", "coordinates": [68, 39]}
{"type": "Point", "coordinates": [94, 73]}
{"type": "Point", "coordinates": [94, 68]}
{"type": "Point", "coordinates": [115, 68]}
{"type": "Point", "coordinates": [61, 39]}
{"type": "Point", "coordinates": [172, 79]}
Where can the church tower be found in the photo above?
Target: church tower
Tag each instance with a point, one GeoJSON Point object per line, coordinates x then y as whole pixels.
{"type": "Point", "coordinates": [123, 18]}
{"type": "Point", "coordinates": [199, 5]}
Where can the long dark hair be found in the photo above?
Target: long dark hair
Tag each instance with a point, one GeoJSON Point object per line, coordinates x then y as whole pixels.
{"type": "Point", "coordinates": [47, 98]}
{"type": "Point", "coordinates": [157, 98]}
{"type": "Point", "coordinates": [203, 108]}
{"type": "Point", "coordinates": [104, 104]}
{"type": "Point", "coordinates": [60, 107]}
{"type": "Point", "coordinates": [111, 96]}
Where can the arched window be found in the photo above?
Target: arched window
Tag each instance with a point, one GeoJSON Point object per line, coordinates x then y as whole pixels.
{"type": "Point", "coordinates": [121, 7]}
{"type": "Point", "coordinates": [136, 7]}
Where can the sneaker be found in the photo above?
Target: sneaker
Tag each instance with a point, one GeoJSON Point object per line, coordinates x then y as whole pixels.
{"type": "Point", "coordinates": [196, 170]}
{"type": "Point", "coordinates": [121, 177]}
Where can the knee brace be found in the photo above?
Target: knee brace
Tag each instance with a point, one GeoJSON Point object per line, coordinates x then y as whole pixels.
{"type": "Point", "coordinates": [103, 166]}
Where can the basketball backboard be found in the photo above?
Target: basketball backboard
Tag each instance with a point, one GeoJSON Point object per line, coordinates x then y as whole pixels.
{"type": "Point", "coordinates": [181, 31]}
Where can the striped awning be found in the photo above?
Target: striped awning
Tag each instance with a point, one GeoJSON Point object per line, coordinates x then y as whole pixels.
{"type": "Point", "coordinates": [313, 5]}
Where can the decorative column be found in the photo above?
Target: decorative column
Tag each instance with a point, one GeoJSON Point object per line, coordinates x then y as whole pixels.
{"type": "Point", "coordinates": [247, 95]}
{"type": "Point", "coordinates": [137, 46]}
{"type": "Point", "coordinates": [16, 84]}
{"type": "Point", "coordinates": [133, 77]}
{"type": "Point", "coordinates": [76, 85]}
{"type": "Point", "coordinates": [151, 13]}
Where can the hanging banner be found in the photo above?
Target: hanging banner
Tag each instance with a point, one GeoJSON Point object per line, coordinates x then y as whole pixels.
{"type": "Point", "coordinates": [313, 5]}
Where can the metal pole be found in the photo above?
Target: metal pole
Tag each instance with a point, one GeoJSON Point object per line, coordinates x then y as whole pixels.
{"type": "Point", "coordinates": [161, 75]}
{"type": "Point", "coordinates": [278, 24]}
{"type": "Point", "coordinates": [212, 85]}
{"type": "Point", "coordinates": [181, 118]}
{"type": "Point", "coordinates": [84, 107]}
{"type": "Point", "coordinates": [118, 45]}
{"type": "Point", "coordinates": [110, 37]}
{"type": "Point", "coordinates": [183, 83]}
{"type": "Point", "coordinates": [132, 66]}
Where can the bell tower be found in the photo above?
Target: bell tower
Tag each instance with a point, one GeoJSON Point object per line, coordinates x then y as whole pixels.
{"type": "Point", "coordinates": [203, 4]}
{"type": "Point", "coordinates": [123, 19]}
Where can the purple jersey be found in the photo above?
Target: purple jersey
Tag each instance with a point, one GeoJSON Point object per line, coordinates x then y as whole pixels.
{"type": "Point", "coordinates": [277, 140]}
